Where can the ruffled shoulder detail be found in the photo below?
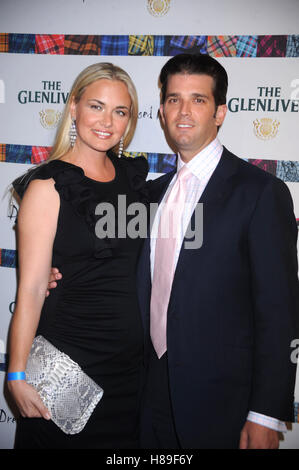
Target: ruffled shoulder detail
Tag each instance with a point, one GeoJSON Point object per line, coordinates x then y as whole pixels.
{"type": "Point", "coordinates": [56, 169]}
{"type": "Point", "coordinates": [137, 171]}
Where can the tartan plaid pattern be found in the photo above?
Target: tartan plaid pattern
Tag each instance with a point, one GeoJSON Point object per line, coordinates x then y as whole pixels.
{"type": "Point", "coordinates": [161, 162]}
{"type": "Point", "coordinates": [267, 165]}
{"type": "Point", "coordinates": [4, 42]}
{"type": "Point", "coordinates": [40, 154]}
{"type": "Point", "coordinates": [8, 258]}
{"type": "Point", "coordinates": [271, 46]}
{"type": "Point", "coordinates": [246, 46]}
{"type": "Point", "coordinates": [82, 45]}
{"type": "Point", "coordinates": [222, 46]}
{"type": "Point", "coordinates": [49, 44]}
{"type": "Point", "coordinates": [141, 45]}
{"type": "Point", "coordinates": [292, 47]}
{"type": "Point", "coordinates": [114, 45]}
{"type": "Point", "coordinates": [22, 43]}
{"type": "Point", "coordinates": [179, 44]}
{"type": "Point", "coordinates": [217, 46]}
{"type": "Point", "coordinates": [2, 152]}
{"type": "Point", "coordinates": [288, 171]}
{"type": "Point", "coordinates": [159, 45]}
{"type": "Point", "coordinates": [18, 153]}
{"type": "Point", "coordinates": [135, 154]}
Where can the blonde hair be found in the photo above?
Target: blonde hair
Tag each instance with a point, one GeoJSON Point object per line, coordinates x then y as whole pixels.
{"type": "Point", "coordinates": [99, 71]}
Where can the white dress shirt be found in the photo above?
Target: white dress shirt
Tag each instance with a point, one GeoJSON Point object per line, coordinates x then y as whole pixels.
{"type": "Point", "coordinates": [202, 167]}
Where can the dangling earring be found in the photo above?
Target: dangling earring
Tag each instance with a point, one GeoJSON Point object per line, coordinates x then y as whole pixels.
{"type": "Point", "coordinates": [120, 147]}
{"type": "Point", "coordinates": [73, 133]}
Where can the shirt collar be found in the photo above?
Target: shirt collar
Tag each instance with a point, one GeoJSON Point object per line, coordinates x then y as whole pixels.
{"type": "Point", "coordinates": [205, 161]}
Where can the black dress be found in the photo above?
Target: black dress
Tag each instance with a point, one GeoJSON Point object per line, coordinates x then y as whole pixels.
{"type": "Point", "coordinates": [93, 314]}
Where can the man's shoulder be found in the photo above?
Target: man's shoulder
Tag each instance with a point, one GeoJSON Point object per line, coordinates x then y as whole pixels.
{"type": "Point", "coordinates": [251, 172]}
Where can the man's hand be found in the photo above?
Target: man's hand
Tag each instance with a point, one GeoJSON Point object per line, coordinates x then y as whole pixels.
{"type": "Point", "coordinates": [256, 436]}
{"type": "Point", "coordinates": [55, 275]}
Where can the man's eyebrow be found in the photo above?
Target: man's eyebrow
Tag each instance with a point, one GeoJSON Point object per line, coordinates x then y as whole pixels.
{"type": "Point", "coordinates": [194, 95]}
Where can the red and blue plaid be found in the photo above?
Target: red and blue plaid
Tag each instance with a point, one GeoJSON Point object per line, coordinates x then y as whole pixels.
{"type": "Point", "coordinates": [222, 46]}
{"type": "Point", "coordinates": [49, 44]}
{"type": "Point", "coordinates": [246, 46]}
{"type": "Point", "coordinates": [40, 154]}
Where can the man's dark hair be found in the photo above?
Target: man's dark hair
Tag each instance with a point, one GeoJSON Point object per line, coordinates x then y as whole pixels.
{"type": "Point", "coordinates": [200, 64]}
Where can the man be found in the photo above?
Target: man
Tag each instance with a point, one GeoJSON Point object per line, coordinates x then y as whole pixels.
{"type": "Point", "coordinates": [218, 330]}
{"type": "Point", "coordinates": [222, 376]}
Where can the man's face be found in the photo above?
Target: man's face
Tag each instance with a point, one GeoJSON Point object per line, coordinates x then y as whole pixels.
{"type": "Point", "coordinates": [189, 113]}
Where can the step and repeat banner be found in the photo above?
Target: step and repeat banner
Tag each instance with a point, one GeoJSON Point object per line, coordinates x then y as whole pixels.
{"type": "Point", "coordinates": [44, 46]}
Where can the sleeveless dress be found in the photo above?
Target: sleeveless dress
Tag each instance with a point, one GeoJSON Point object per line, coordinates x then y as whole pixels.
{"type": "Point", "coordinates": [93, 314]}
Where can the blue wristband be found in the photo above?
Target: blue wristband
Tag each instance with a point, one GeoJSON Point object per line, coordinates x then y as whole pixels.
{"type": "Point", "coordinates": [16, 376]}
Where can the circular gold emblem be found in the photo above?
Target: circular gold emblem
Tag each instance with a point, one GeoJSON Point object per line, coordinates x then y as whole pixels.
{"type": "Point", "coordinates": [158, 7]}
{"type": "Point", "coordinates": [265, 128]}
{"type": "Point", "coordinates": [49, 118]}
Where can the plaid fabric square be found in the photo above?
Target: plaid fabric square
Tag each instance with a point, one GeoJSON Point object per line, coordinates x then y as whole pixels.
{"type": "Point", "coordinates": [292, 48]}
{"type": "Point", "coordinates": [40, 154]}
{"type": "Point", "coordinates": [159, 45]}
{"type": "Point", "coordinates": [246, 46]}
{"type": "Point", "coordinates": [288, 171]}
{"type": "Point", "coordinates": [222, 46]}
{"type": "Point", "coordinates": [153, 162]}
{"type": "Point", "coordinates": [192, 44]}
{"type": "Point", "coordinates": [21, 43]}
{"type": "Point", "coordinates": [2, 152]}
{"type": "Point", "coordinates": [141, 45]}
{"type": "Point", "coordinates": [167, 163]}
{"type": "Point", "coordinates": [18, 153]}
{"type": "Point", "coordinates": [135, 154]}
{"type": "Point", "coordinates": [4, 42]}
{"type": "Point", "coordinates": [82, 45]}
{"type": "Point", "coordinates": [49, 44]}
{"type": "Point", "coordinates": [267, 165]}
{"type": "Point", "coordinates": [271, 46]}
{"type": "Point", "coordinates": [114, 45]}
{"type": "Point", "coordinates": [8, 258]}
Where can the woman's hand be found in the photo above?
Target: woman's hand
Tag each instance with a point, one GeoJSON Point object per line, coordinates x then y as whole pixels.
{"type": "Point", "coordinates": [28, 400]}
{"type": "Point", "coordinates": [55, 275]}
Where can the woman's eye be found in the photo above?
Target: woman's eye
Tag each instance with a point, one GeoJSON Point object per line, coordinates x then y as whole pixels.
{"type": "Point", "coordinates": [96, 106]}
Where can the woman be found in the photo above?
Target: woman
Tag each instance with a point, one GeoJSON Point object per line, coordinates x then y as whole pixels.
{"type": "Point", "coordinates": [93, 314]}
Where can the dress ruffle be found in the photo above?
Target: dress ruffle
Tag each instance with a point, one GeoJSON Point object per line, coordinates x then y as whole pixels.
{"type": "Point", "coordinates": [69, 182]}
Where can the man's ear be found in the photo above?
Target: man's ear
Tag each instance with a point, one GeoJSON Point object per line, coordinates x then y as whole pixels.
{"type": "Point", "coordinates": [162, 114]}
{"type": "Point", "coordinates": [220, 114]}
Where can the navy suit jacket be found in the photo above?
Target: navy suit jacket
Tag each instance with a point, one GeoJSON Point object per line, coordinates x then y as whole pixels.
{"type": "Point", "coordinates": [234, 307]}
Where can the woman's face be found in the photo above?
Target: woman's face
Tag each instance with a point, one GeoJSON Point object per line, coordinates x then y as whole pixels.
{"type": "Point", "coordinates": [102, 115]}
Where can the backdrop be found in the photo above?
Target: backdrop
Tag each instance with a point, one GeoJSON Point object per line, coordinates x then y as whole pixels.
{"type": "Point", "coordinates": [43, 46]}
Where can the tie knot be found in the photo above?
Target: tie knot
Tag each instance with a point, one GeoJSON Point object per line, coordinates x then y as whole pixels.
{"type": "Point", "coordinates": [183, 173]}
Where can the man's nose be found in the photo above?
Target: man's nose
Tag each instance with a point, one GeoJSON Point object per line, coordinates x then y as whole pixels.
{"type": "Point", "coordinates": [185, 108]}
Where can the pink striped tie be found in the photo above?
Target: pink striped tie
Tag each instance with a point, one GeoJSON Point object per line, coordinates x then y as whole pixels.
{"type": "Point", "coordinates": [168, 233]}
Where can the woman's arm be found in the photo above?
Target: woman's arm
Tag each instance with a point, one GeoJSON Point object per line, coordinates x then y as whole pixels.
{"type": "Point", "coordinates": [37, 223]}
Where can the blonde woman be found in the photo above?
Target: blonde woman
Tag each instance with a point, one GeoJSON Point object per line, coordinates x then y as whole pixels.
{"type": "Point", "coordinates": [92, 316]}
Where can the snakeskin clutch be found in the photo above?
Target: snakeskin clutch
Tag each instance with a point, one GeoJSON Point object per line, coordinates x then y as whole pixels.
{"type": "Point", "coordinates": [68, 393]}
